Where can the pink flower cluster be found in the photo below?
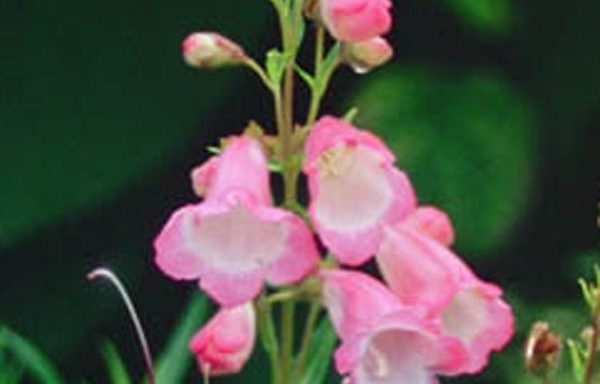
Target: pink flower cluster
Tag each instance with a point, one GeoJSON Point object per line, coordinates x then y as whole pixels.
{"type": "Point", "coordinates": [431, 315]}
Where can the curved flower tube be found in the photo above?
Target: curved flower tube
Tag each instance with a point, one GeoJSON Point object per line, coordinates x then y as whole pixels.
{"type": "Point", "coordinates": [422, 272]}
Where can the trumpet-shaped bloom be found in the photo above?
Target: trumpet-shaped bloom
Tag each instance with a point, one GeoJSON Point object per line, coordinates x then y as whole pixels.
{"type": "Point", "coordinates": [384, 341]}
{"type": "Point", "coordinates": [356, 20]}
{"type": "Point", "coordinates": [225, 343]}
{"type": "Point", "coordinates": [234, 240]}
{"type": "Point", "coordinates": [354, 188]}
{"type": "Point", "coordinates": [422, 272]}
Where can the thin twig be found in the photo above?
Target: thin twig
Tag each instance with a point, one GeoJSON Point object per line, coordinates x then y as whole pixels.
{"type": "Point", "coordinates": [114, 280]}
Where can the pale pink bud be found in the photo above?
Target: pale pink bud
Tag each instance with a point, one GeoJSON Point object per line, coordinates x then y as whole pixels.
{"type": "Point", "coordinates": [211, 50]}
{"type": "Point", "coordinates": [356, 20]}
{"type": "Point", "coordinates": [365, 55]}
{"type": "Point", "coordinates": [225, 343]}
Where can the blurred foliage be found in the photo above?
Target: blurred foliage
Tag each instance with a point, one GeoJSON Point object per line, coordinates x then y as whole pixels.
{"type": "Point", "coordinates": [490, 17]}
{"type": "Point", "coordinates": [466, 141]}
{"type": "Point", "coordinates": [77, 126]}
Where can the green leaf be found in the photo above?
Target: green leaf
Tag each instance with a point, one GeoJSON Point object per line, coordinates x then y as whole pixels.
{"type": "Point", "coordinates": [466, 141]}
{"type": "Point", "coordinates": [304, 75]}
{"type": "Point", "coordinates": [578, 359]}
{"type": "Point", "coordinates": [117, 370]}
{"type": "Point", "coordinates": [275, 64]}
{"type": "Point", "coordinates": [491, 17]}
{"type": "Point", "coordinates": [327, 68]}
{"type": "Point", "coordinates": [175, 358]}
{"type": "Point", "coordinates": [33, 360]}
{"type": "Point", "coordinates": [320, 353]}
{"type": "Point", "coordinates": [10, 373]}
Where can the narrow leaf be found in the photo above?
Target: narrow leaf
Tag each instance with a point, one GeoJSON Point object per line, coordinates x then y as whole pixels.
{"type": "Point", "coordinates": [117, 371]}
{"type": "Point", "coordinates": [577, 359]}
{"type": "Point", "coordinates": [176, 359]}
{"type": "Point", "coordinates": [320, 352]}
{"type": "Point", "coordinates": [33, 360]}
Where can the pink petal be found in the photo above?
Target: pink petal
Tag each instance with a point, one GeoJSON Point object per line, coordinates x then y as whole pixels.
{"type": "Point", "coordinates": [400, 347]}
{"type": "Point", "coordinates": [354, 300]}
{"type": "Point", "coordinates": [175, 249]}
{"type": "Point", "coordinates": [331, 132]}
{"type": "Point", "coordinates": [354, 190]}
{"type": "Point", "coordinates": [480, 320]}
{"type": "Point", "coordinates": [202, 176]}
{"type": "Point", "coordinates": [300, 256]}
{"type": "Point", "coordinates": [225, 343]}
{"type": "Point", "coordinates": [417, 269]}
{"type": "Point", "coordinates": [352, 20]}
{"type": "Point", "coordinates": [242, 167]}
{"type": "Point", "coordinates": [432, 222]}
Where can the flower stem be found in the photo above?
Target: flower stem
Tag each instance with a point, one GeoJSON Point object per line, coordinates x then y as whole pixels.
{"type": "Point", "coordinates": [593, 351]}
{"type": "Point", "coordinates": [268, 338]}
{"type": "Point", "coordinates": [114, 280]}
{"type": "Point", "coordinates": [316, 94]}
{"type": "Point", "coordinates": [288, 310]}
{"type": "Point", "coordinates": [311, 322]}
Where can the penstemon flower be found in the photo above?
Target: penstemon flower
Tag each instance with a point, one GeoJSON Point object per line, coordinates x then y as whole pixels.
{"type": "Point", "coordinates": [431, 315]}
{"type": "Point", "coordinates": [355, 189]}
{"type": "Point", "coordinates": [235, 239]}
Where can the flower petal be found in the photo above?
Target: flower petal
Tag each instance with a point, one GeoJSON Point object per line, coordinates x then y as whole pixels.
{"type": "Point", "coordinates": [417, 269]}
{"type": "Point", "coordinates": [354, 190]}
{"type": "Point", "coordinates": [242, 166]}
{"type": "Point", "coordinates": [432, 222]}
{"type": "Point", "coordinates": [225, 343]}
{"type": "Point", "coordinates": [300, 256]}
{"type": "Point", "coordinates": [355, 300]}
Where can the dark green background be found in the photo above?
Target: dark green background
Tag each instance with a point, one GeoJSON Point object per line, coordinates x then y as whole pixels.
{"type": "Point", "coordinates": [492, 106]}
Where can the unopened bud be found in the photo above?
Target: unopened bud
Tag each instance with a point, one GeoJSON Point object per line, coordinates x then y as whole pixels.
{"type": "Point", "coordinates": [211, 50]}
{"type": "Point", "coordinates": [542, 349]}
{"type": "Point", "coordinates": [311, 9]}
{"type": "Point", "coordinates": [365, 55]}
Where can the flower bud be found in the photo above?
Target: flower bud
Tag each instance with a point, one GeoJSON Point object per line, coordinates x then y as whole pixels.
{"type": "Point", "coordinates": [225, 343]}
{"type": "Point", "coordinates": [356, 20]}
{"type": "Point", "coordinates": [211, 50]}
{"type": "Point", "coordinates": [542, 349]}
{"type": "Point", "coordinates": [365, 55]}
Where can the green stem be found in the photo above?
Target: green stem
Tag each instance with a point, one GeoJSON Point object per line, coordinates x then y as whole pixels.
{"type": "Point", "coordinates": [316, 94]}
{"type": "Point", "coordinates": [256, 68]}
{"type": "Point", "coordinates": [268, 337]}
{"type": "Point", "coordinates": [288, 310]}
{"type": "Point", "coordinates": [311, 322]}
{"type": "Point", "coordinates": [593, 351]}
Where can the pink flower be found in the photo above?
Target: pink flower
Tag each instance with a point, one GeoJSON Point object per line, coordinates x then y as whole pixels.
{"type": "Point", "coordinates": [235, 240]}
{"type": "Point", "coordinates": [211, 50]}
{"type": "Point", "coordinates": [384, 341]}
{"type": "Point", "coordinates": [356, 20]}
{"type": "Point", "coordinates": [225, 343]}
{"type": "Point", "coordinates": [422, 272]}
{"type": "Point", "coordinates": [366, 55]}
{"type": "Point", "coordinates": [354, 189]}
